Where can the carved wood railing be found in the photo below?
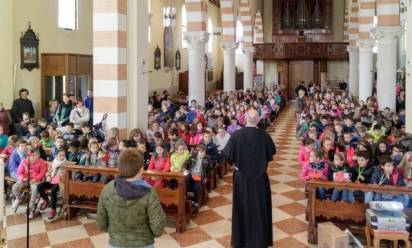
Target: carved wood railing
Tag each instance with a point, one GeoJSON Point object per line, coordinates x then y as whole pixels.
{"type": "Point", "coordinates": [305, 50]}
{"type": "Point", "coordinates": [341, 211]}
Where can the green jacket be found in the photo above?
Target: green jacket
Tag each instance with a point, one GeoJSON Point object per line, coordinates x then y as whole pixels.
{"type": "Point", "coordinates": [132, 220]}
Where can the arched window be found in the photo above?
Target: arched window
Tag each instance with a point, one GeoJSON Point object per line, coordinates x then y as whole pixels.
{"type": "Point", "coordinates": [210, 31]}
{"type": "Point", "coordinates": [184, 27]}
{"type": "Point", "coordinates": [68, 14]}
{"type": "Point", "coordinates": [239, 36]}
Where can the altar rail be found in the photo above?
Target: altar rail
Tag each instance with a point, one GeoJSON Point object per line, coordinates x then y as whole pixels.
{"type": "Point", "coordinates": [340, 212]}
{"type": "Point", "coordinates": [304, 50]}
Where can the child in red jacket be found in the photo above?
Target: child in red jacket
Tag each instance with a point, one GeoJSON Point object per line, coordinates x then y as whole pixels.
{"type": "Point", "coordinates": [38, 169]}
{"type": "Point", "coordinates": [160, 161]}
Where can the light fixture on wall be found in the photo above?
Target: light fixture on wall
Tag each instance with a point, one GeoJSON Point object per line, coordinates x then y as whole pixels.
{"type": "Point", "coordinates": [217, 32]}
{"type": "Point", "coordinates": [169, 16]}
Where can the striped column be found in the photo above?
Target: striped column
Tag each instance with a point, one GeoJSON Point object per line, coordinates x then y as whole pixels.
{"type": "Point", "coordinates": [258, 37]}
{"type": "Point", "coordinates": [353, 49]}
{"type": "Point", "coordinates": [228, 45]}
{"type": "Point", "coordinates": [196, 37]}
{"type": "Point", "coordinates": [387, 32]}
{"type": "Point", "coordinates": [248, 48]}
{"type": "Point", "coordinates": [109, 62]}
{"type": "Point", "coordinates": [365, 43]}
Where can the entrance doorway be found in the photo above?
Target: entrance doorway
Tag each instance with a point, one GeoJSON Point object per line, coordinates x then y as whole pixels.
{"type": "Point", "coordinates": [299, 70]}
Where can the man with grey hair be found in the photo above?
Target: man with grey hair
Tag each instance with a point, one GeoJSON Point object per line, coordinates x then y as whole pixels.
{"type": "Point", "coordinates": [250, 150]}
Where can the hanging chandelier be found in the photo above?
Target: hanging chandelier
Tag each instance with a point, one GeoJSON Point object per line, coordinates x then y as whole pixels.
{"type": "Point", "coordinates": [169, 16]}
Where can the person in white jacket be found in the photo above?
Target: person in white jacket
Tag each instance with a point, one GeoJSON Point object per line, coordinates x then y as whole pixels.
{"type": "Point", "coordinates": [79, 115]}
{"type": "Point", "coordinates": [221, 138]}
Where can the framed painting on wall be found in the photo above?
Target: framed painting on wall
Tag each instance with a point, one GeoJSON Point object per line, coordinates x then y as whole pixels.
{"type": "Point", "coordinates": [29, 52]}
{"type": "Point", "coordinates": [169, 54]}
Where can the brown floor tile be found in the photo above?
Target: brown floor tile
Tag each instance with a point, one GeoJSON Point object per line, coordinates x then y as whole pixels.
{"type": "Point", "coordinates": [36, 241]}
{"type": "Point", "coordinates": [294, 174]}
{"type": "Point", "coordinates": [295, 195]}
{"type": "Point", "coordinates": [224, 189]}
{"type": "Point", "coordinates": [272, 172]}
{"type": "Point", "coordinates": [218, 201]}
{"type": "Point", "coordinates": [83, 243]}
{"type": "Point", "coordinates": [293, 209]}
{"type": "Point", "coordinates": [225, 241]}
{"type": "Point", "coordinates": [292, 226]}
{"type": "Point", "coordinates": [228, 180]}
{"type": "Point", "coordinates": [207, 216]}
{"type": "Point", "coordinates": [296, 184]}
{"type": "Point", "coordinates": [191, 237]}
{"type": "Point", "coordinates": [16, 219]}
{"type": "Point", "coordinates": [92, 229]}
{"type": "Point", "coordinates": [58, 224]}
{"type": "Point", "coordinates": [289, 242]}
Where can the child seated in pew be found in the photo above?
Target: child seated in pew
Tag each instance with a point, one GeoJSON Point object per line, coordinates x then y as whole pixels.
{"type": "Point", "coordinates": [123, 144]}
{"type": "Point", "coordinates": [197, 134]}
{"type": "Point", "coordinates": [179, 157]}
{"type": "Point", "coordinates": [157, 140]}
{"type": "Point", "coordinates": [94, 157]}
{"type": "Point", "coordinates": [307, 146]}
{"type": "Point", "coordinates": [52, 182]}
{"type": "Point", "coordinates": [34, 143]}
{"type": "Point", "coordinates": [45, 140]}
{"type": "Point", "coordinates": [3, 139]}
{"type": "Point", "coordinates": [32, 131]}
{"type": "Point", "coordinates": [362, 171]}
{"type": "Point", "coordinates": [316, 169]}
{"type": "Point", "coordinates": [211, 149]}
{"type": "Point", "coordinates": [112, 152]}
{"type": "Point", "coordinates": [58, 145]}
{"type": "Point", "coordinates": [386, 174]}
{"type": "Point", "coordinates": [11, 145]}
{"type": "Point", "coordinates": [69, 132]}
{"type": "Point", "coordinates": [142, 147]}
{"type": "Point", "coordinates": [398, 151]}
{"type": "Point", "coordinates": [73, 153]}
{"type": "Point", "coordinates": [19, 153]}
{"type": "Point", "coordinates": [339, 171]}
{"type": "Point", "coordinates": [38, 169]}
{"type": "Point", "coordinates": [195, 172]}
{"type": "Point", "coordinates": [160, 161]}
{"type": "Point", "coordinates": [405, 167]}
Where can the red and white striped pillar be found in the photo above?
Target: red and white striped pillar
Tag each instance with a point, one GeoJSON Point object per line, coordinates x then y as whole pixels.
{"type": "Point", "coordinates": [365, 43]}
{"type": "Point", "coordinates": [346, 26]}
{"type": "Point", "coordinates": [258, 39]}
{"type": "Point", "coordinates": [353, 49]}
{"type": "Point", "coordinates": [196, 36]}
{"type": "Point", "coordinates": [110, 62]}
{"type": "Point", "coordinates": [248, 48]}
{"type": "Point", "coordinates": [228, 45]}
{"type": "Point", "coordinates": [387, 32]}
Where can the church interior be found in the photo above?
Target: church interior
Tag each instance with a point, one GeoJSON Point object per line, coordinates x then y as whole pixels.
{"type": "Point", "coordinates": [331, 81]}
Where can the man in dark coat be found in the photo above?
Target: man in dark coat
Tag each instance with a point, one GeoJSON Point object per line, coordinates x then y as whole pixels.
{"type": "Point", "coordinates": [22, 105]}
{"type": "Point", "coordinates": [250, 149]}
{"type": "Point", "coordinates": [301, 86]}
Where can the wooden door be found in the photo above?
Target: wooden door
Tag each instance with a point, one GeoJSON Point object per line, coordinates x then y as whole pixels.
{"type": "Point", "coordinates": [299, 70]}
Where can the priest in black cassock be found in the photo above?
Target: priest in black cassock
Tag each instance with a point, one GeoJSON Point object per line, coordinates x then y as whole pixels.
{"type": "Point", "coordinates": [250, 149]}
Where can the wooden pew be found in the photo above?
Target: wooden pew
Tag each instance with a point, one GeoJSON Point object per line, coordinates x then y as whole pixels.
{"type": "Point", "coordinates": [342, 213]}
{"type": "Point", "coordinates": [85, 195]}
{"type": "Point", "coordinates": [82, 195]}
{"type": "Point", "coordinates": [172, 196]}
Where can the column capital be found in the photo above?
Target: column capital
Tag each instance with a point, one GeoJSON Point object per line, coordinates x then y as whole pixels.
{"type": "Point", "coordinates": [196, 39]}
{"type": "Point", "coordinates": [229, 47]}
{"type": "Point", "coordinates": [248, 50]}
{"type": "Point", "coordinates": [388, 33]}
{"type": "Point", "coordinates": [366, 45]}
{"type": "Point", "coordinates": [352, 49]}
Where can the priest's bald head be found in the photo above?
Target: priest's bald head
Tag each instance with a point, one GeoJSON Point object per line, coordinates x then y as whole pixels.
{"type": "Point", "coordinates": [252, 117]}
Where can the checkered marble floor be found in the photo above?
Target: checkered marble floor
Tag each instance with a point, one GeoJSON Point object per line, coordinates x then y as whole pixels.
{"type": "Point", "coordinates": [211, 227]}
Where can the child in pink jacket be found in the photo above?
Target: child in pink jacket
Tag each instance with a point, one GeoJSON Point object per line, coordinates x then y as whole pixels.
{"type": "Point", "coordinates": [307, 146]}
{"type": "Point", "coordinates": [38, 169]}
{"type": "Point", "coordinates": [316, 169]}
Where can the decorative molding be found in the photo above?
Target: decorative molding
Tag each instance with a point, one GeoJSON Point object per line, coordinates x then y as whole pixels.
{"type": "Point", "coordinates": [313, 50]}
{"type": "Point", "coordinates": [247, 50]}
{"type": "Point", "coordinates": [387, 34]}
{"type": "Point", "coordinates": [215, 2]}
{"type": "Point", "coordinates": [229, 47]}
{"type": "Point", "coordinates": [196, 39]}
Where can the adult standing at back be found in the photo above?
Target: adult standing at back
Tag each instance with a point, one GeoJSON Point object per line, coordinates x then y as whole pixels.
{"type": "Point", "coordinates": [79, 115]}
{"type": "Point", "coordinates": [88, 103]}
{"type": "Point", "coordinates": [250, 150]}
{"type": "Point", "coordinates": [22, 105]}
{"type": "Point", "coordinates": [63, 111]}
